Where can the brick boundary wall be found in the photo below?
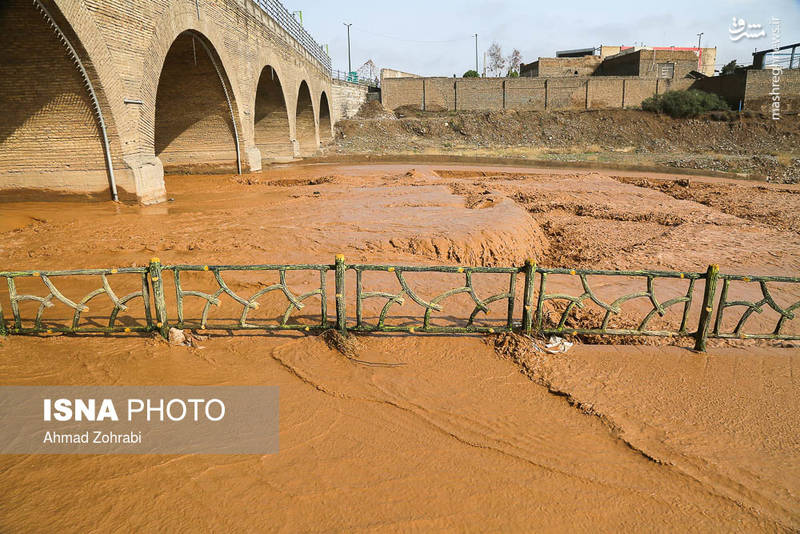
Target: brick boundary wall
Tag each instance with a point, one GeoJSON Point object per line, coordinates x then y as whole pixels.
{"type": "Point", "coordinates": [493, 94]}
{"type": "Point", "coordinates": [751, 88]}
{"type": "Point", "coordinates": [758, 86]}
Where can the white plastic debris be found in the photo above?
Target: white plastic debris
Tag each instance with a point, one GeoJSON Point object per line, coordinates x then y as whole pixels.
{"type": "Point", "coordinates": [557, 345]}
{"type": "Point", "coordinates": [184, 338]}
{"type": "Point", "coordinates": [177, 337]}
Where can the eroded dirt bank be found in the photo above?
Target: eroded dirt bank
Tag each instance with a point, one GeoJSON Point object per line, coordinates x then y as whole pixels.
{"type": "Point", "coordinates": [456, 436]}
{"type": "Point", "coordinates": [749, 144]}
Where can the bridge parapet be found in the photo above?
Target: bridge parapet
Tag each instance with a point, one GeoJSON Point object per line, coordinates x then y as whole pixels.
{"type": "Point", "coordinates": [288, 22]}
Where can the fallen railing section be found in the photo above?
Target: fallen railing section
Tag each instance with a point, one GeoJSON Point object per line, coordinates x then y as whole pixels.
{"type": "Point", "coordinates": [543, 311]}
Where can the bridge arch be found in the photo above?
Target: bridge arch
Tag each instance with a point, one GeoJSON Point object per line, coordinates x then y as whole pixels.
{"type": "Point", "coordinates": [196, 123]}
{"type": "Point", "coordinates": [325, 125]}
{"type": "Point", "coordinates": [58, 130]}
{"type": "Point", "coordinates": [124, 59]}
{"type": "Point", "coordinates": [305, 121]}
{"type": "Point", "coordinates": [180, 18]}
{"type": "Point", "coordinates": [271, 127]}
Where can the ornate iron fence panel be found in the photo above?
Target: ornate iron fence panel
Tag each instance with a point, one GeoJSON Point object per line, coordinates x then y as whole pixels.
{"type": "Point", "coordinates": [405, 291]}
{"type": "Point", "coordinates": [212, 297]}
{"type": "Point", "coordinates": [767, 301]}
{"type": "Point", "coordinates": [614, 308]}
{"type": "Point", "coordinates": [120, 303]}
{"type": "Point", "coordinates": [538, 305]}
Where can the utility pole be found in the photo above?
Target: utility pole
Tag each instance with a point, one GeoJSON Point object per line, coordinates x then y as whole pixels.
{"type": "Point", "coordinates": [699, 36]}
{"type": "Point", "coordinates": [349, 64]}
{"type": "Point", "coordinates": [476, 52]}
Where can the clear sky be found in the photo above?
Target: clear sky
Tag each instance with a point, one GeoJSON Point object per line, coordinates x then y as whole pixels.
{"type": "Point", "coordinates": [431, 37]}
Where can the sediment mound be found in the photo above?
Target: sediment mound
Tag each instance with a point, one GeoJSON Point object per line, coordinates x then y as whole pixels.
{"type": "Point", "coordinates": [373, 109]}
{"type": "Point", "coordinates": [499, 235]}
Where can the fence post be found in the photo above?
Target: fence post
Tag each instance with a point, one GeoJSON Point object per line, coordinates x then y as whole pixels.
{"type": "Point", "coordinates": [158, 297]}
{"type": "Point", "coordinates": [545, 93]}
{"type": "Point", "coordinates": [708, 308]}
{"type": "Point", "coordinates": [341, 310]}
{"type": "Point", "coordinates": [527, 304]}
{"type": "Point", "coordinates": [586, 101]}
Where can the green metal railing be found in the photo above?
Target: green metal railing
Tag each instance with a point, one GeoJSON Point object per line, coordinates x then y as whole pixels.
{"type": "Point", "coordinates": [615, 307]}
{"type": "Point", "coordinates": [435, 304]}
{"type": "Point", "coordinates": [538, 304]}
{"type": "Point", "coordinates": [758, 307]}
{"type": "Point", "coordinates": [80, 307]}
{"type": "Point", "coordinates": [294, 302]}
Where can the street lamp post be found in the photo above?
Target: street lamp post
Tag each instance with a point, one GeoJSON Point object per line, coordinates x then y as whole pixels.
{"type": "Point", "coordinates": [349, 63]}
{"type": "Point", "coordinates": [699, 52]}
{"type": "Point", "coordinates": [476, 52]}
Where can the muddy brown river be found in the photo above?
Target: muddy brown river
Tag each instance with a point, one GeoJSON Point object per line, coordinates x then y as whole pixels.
{"type": "Point", "coordinates": [458, 437]}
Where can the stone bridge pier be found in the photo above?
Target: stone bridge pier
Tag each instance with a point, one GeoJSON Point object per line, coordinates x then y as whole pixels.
{"type": "Point", "coordinates": [100, 97]}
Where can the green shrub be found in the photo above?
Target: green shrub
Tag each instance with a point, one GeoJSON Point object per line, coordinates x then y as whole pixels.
{"type": "Point", "coordinates": [471, 74]}
{"type": "Point", "coordinates": [652, 104]}
{"type": "Point", "coordinates": [684, 103]}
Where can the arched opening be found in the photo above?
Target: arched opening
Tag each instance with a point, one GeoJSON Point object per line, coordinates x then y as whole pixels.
{"type": "Point", "coordinates": [325, 131]}
{"type": "Point", "coordinates": [50, 136]}
{"type": "Point", "coordinates": [271, 121]}
{"type": "Point", "coordinates": [305, 125]}
{"type": "Point", "coordinates": [195, 129]}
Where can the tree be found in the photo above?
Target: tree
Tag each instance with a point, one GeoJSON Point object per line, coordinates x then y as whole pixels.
{"type": "Point", "coordinates": [496, 60]}
{"type": "Point", "coordinates": [729, 68]}
{"type": "Point", "coordinates": [471, 74]}
{"type": "Point", "coordinates": [514, 61]}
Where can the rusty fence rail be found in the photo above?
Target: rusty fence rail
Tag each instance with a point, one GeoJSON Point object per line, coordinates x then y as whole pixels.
{"type": "Point", "coordinates": [543, 311]}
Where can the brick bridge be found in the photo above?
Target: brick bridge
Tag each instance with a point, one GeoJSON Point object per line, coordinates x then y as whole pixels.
{"type": "Point", "coordinates": [100, 96]}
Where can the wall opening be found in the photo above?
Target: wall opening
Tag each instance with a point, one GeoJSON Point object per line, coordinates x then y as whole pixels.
{"type": "Point", "coordinates": [194, 124]}
{"type": "Point", "coordinates": [305, 125]}
{"type": "Point", "coordinates": [324, 118]}
{"type": "Point", "coordinates": [49, 133]}
{"type": "Point", "coordinates": [271, 121]}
